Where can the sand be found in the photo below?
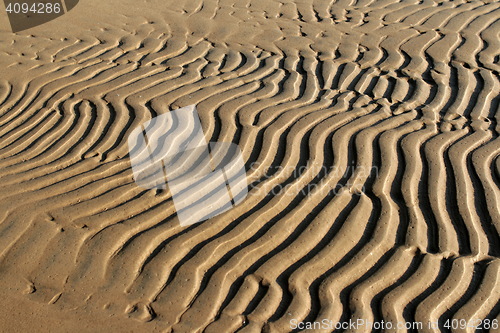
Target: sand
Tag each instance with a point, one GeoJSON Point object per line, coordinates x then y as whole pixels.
{"type": "Point", "coordinates": [370, 134]}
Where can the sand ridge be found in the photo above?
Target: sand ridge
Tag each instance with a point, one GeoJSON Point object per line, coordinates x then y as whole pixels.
{"type": "Point", "coordinates": [406, 89]}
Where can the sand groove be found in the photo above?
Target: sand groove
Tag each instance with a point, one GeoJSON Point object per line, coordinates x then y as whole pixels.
{"type": "Point", "coordinates": [379, 118]}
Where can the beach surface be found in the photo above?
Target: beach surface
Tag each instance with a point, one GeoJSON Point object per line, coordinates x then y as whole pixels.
{"type": "Point", "coordinates": [369, 130]}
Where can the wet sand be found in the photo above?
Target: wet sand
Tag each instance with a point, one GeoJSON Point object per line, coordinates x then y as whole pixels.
{"type": "Point", "coordinates": [369, 130]}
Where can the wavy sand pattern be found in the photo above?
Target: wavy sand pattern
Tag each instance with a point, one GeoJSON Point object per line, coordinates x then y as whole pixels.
{"type": "Point", "coordinates": [396, 102]}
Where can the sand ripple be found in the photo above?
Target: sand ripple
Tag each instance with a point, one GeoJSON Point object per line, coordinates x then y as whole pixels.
{"type": "Point", "coordinates": [393, 103]}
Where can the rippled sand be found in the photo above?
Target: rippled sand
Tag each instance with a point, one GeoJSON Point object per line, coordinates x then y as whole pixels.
{"type": "Point", "coordinates": [378, 120]}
